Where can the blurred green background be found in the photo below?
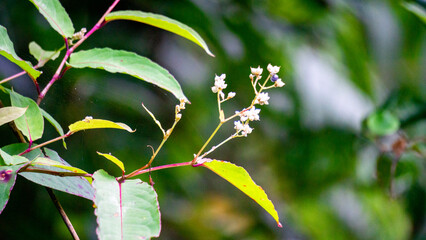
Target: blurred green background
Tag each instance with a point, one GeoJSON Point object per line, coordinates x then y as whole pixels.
{"type": "Point", "coordinates": [330, 172]}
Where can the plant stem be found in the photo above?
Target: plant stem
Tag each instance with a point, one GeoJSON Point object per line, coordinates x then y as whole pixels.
{"type": "Point", "coordinates": [57, 74]}
{"type": "Point", "coordinates": [12, 77]}
{"type": "Point", "coordinates": [45, 143]}
{"type": "Point", "coordinates": [207, 142]}
{"type": "Point", "coordinates": [60, 174]}
{"type": "Point", "coordinates": [159, 168]}
{"type": "Point", "coordinates": [220, 144]}
{"type": "Point", "coordinates": [49, 190]}
{"type": "Point", "coordinates": [63, 214]}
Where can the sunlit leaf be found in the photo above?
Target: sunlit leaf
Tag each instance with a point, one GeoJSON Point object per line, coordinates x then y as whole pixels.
{"type": "Point", "coordinates": [383, 123]}
{"type": "Point", "coordinates": [128, 63]}
{"type": "Point", "coordinates": [7, 181]}
{"type": "Point", "coordinates": [8, 51]}
{"type": "Point", "coordinates": [162, 22]}
{"type": "Point", "coordinates": [127, 210]}
{"type": "Point", "coordinates": [8, 114]}
{"type": "Point", "coordinates": [239, 177]}
{"type": "Point", "coordinates": [12, 160]}
{"type": "Point", "coordinates": [89, 123]}
{"type": "Point", "coordinates": [78, 186]}
{"type": "Point", "coordinates": [113, 159]}
{"type": "Point", "coordinates": [56, 15]}
{"type": "Point", "coordinates": [55, 124]}
{"type": "Point", "coordinates": [42, 55]}
{"type": "Point", "coordinates": [416, 9]}
{"type": "Point", "coordinates": [31, 124]}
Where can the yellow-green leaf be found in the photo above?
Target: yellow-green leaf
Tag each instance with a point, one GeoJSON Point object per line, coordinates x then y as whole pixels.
{"type": "Point", "coordinates": [113, 159]}
{"type": "Point", "coordinates": [89, 123]}
{"type": "Point", "coordinates": [8, 51]}
{"type": "Point", "coordinates": [52, 163]}
{"type": "Point", "coordinates": [8, 114]}
{"type": "Point", "coordinates": [239, 177]}
{"type": "Point", "coordinates": [162, 22]}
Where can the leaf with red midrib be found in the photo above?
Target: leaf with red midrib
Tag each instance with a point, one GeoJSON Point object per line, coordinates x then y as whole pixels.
{"type": "Point", "coordinates": [126, 210]}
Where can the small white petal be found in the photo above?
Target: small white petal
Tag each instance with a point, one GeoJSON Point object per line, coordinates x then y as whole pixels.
{"type": "Point", "coordinates": [279, 83]}
{"type": "Point", "coordinates": [231, 94]}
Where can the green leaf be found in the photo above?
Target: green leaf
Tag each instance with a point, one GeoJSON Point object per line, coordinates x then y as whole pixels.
{"type": "Point", "coordinates": [55, 124]}
{"type": "Point", "coordinates": [12, 160]}
{"type": "Point", "coordinates": [416, 9]}
{"type": "Point", "coordinates": [89, 123]}
{"type": "Point", "coordinates": [7, 181]}
{"type": "Point", "coordinates": [127, 210]}
{"type": "Point", "coordinates": [128, 63]}
{"type": "Point", "coordinates": [56, 15]}
{"type": "Point", "coordinates": [74, 185]}
{"type": "Point", "coordinates": [113, 159]}
{"type": "Point", "coordinates": [239, 177]}
{"type": "Point", "coordinates": [383, 123]}
{"type": "Point", "coordinates": [8, 114]}
{"type": "Point", "coordinates": [42, 55]}
{"type": "Point", "coordinates": [31, 124]}
{"type": "Point", "coordinates": [162, 22]}
{"type": "Point", "coordinates": [42, 161]}
{"type": "Point", "coordinates": [17, 148]}
{"type": "Point", "coordinates": [8, 51]}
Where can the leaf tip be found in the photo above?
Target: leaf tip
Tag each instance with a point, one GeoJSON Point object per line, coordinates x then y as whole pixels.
{"type": "Point", "coordinates": [279, 225]}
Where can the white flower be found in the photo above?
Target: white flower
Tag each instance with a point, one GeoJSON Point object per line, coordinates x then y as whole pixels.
{"type": "Point", "coordinates": [262, 99]}
{"type": "Point", "coordinates": [256, 71]}
{"type": "Point", "coordinates": [279, 83]}
{"type": "Point", "coordinates": [252, 115]}
{"type": "Point", "coordinates": [273, 69]}
{"type": "Point", "coordinates": [244, 128]}
{"type": "Point", "coordinates": [219, 83]}
{"type": "Point", "coordinates": [231, 95]}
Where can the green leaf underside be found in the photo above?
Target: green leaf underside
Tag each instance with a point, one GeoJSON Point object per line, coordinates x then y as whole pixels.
{"type": "Point", "coordinates": [162, 22]}
{"type": "Point", "coordinates": [31, 123]}
{"type": "Point", "coordinates": [56, 15]}
{"type": "Point", "coordinates": [7, 181]}
{"type": "Point", "coordinates": [55, 124]}
{"type": "Point", "coordinates": [127, 210]}
{"type": "Point", "coordinates": [8, 51]}
{"type": "Point", "coordinates": [8, 114]}
{"type": "Point", "coordinates": [128, 63]}
{"type": "Point", "coordinates": [239, 177]}
{"type": "Point", "coordinates": [74, 185]}
{"type": "Point", "coordinates": [383, 123]}
{"type": "Point", "coordinates": [12, 160]}
{"type": "Point", "coordinates": [42, 55]}
{"type": "Point", "coordinates": [97, 123]}
{"type": "Point", "coordinates": [113, 159]}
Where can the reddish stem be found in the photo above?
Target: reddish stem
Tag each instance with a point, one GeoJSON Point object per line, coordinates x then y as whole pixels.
{"type": "Point", "coordinates": [159, 168]}
{"type": "Point", "coordinates": [59, 72]}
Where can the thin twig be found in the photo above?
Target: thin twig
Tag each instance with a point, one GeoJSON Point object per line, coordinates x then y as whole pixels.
{"type": "Point", "coordinates": [63, 214]}
{"type": "Point", "coordinates": [12, 77]}
{"type": "Point", "coordinates": [58, 73]}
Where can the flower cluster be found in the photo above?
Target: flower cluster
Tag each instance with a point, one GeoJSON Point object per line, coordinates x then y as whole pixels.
{"type": "Point", "coordinates": [219, 85]}
{"type": "Point", "coordinates": [250, 113]}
